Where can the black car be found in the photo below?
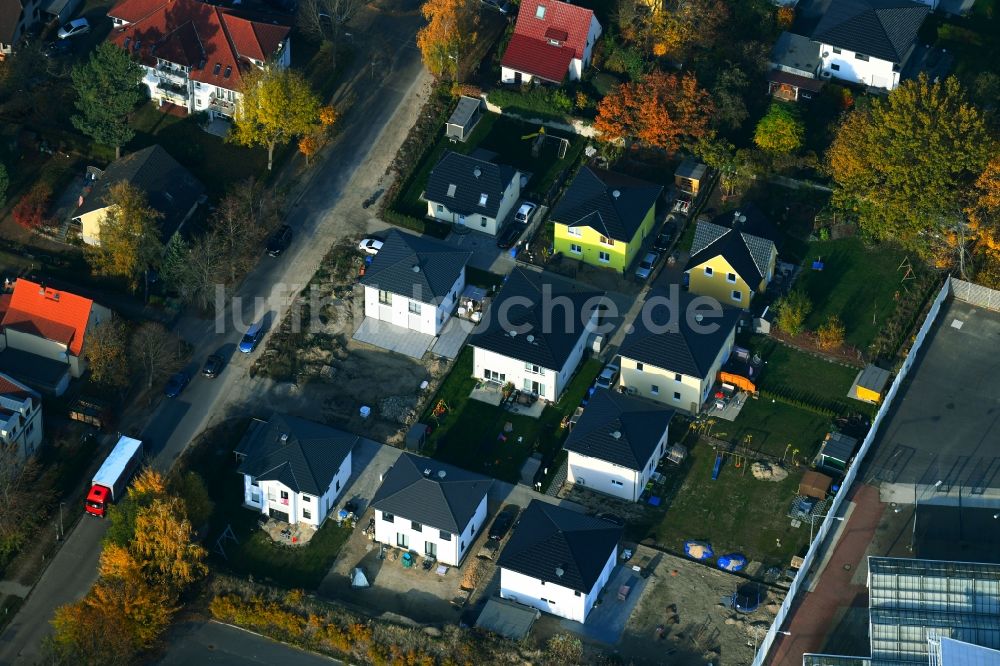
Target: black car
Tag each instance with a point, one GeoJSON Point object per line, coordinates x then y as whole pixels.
{"type": "Point", "coordinates": [279, 240]}
{"type": "Point", "coordinates": [510, 234]}
{"type": "Point", "coordinates": [58, 48]}
{"type": "Point", "coordinates": [503, 522]}
{"type": "Point", "coordinates": [213, 366]}
{"type": "Point", "coordinates": [663, 241]}
{"type": "Point", "coordinates": [611, 518]}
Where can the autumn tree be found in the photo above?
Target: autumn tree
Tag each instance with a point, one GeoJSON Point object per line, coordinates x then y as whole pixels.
{"type": "Point", "coordinates": [785, 17]}
{"type": "Point", "coordinates": [326, 19]}
{"type": "Point", "coordinates": [983, 211]}
{"type": "Point", "coordinates": [780, 131]}
{"type": "Point", "coordinates": [244, 217]}
{"type": "Point", "coordinates": [450, 33]}
{"type": "Point", "coordinates": [277, 106]}
{"type": "Point", "coordinates": [31, 210]}
{"type": "Point", "coordinates": [683, 26]}
{"type": "Point", "coordinates": [155, 351]}
{"type": "Point", "coordinates": [792, 311]}
{"type": "Point", "coordinates": [738, 169]}
{"type": "Point", "coordinates": [22, 500]}
{"type": "Point", "coordinates": [106, 350]}
{"type": "Point", "coordinates": [662, 110]}
{"type": "Point", "coordinates": [830, 335]}
{"type": "Point", "coordinates": [83, 634]}
{"type": "Point", "coordinates": [198, 505]}
{"type": "Point", "coordinates": [129, 235]}
{"type": "Point", "coordinates": [147, 486]}
{"type": "Point", "coordinates": [108, 90]}
{"type": "Point", "coordinates": [906, 165]}
{"type": "Point", "coordinates": [728, 95]}
{"type": "Point", "coordinates": [165, 547]}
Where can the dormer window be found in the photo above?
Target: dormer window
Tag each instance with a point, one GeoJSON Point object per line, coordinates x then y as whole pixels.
{"type": "Point", "coordinates": [540, 12]}
{"type": "Point", "coordinates": [229, 70]}
{"type": "Point", "coordinates": [554, 42]}
{"type": "Point", "coordinates": [482, 198]}
{"type": "Point", "coordinates": [451, 189]}
{"type": "Point", "coordinates": [215, 70]}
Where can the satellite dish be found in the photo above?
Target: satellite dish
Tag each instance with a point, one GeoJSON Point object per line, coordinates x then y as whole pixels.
{"type": "Point", "coordinates": [698, 317]}
{"type": "Point", "coordinates": [616, 434]}
{"type": "Point", "coordinates": [477, 172]}
{"type": "Point", "coordinates": [616, 193]}
{"type": "Point", "coordinates": [560, 572]}
{"type": "Point", "coordinates": [530, 338]}
{"type": "Point", "coordinates": [512, 334]}
{"type": "Point", "coordinates": [442, 474]}
{"type": "Point", "coordinates": [743, 218]}
{"type": "Point", "coordinates": [415, 269]}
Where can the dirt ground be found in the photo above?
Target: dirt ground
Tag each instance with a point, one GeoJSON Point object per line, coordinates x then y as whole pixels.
{"type": "Point", "coordinates": [685, 598]}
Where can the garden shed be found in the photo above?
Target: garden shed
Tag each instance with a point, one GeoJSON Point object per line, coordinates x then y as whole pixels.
{"type": "Point", "coordinates": [464, 119]}
{"type": "Point", "coordinates": [837, 451]}
{"type": "Point", "coordinates": [690, 176]}
{"type": "Point", "coordinates": [815, 484]}
{"type": "Point", "coordinates": [869, 385]}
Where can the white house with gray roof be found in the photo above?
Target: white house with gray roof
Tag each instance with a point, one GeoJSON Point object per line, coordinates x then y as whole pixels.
{"type": "Point", "coordinates": [472, 192]}
{"type": "Point", "coordinates": [431, 508]}
{"type": "Point", "coordinates": [414, 282]}
{"type": "Point", "coordinates": [535, 333]}
{"type": "Point", "coordinates": [20, 416]}
{"type": "Point", "coordinates": [616, 444]}
{"type": "Point", "coordinates": [293, 469]}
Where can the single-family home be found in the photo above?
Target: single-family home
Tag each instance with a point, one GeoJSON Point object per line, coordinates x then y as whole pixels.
{"type": "Point", "coordinates": [170, 189]}
{"type": "Point", "coordinates": [293, 469]}
{"type": "Point", "coordinates": [732, 257]}
{"type": "Point", "coordinates": [20, 416]}
{"type": "Point", "coordinates": [414, 282]}
{"type": "Point", "coordinates": [558, 560]}
{"type": "Point", "coordinates": [535, 333]}
{"type": "Point", "coordinates": [431, 508]}
{"type": "Point", "coordinates": [551, 40]}
{"type": "Point", "coordinates": [868, 41]}
{"type": "Point", "coordinates": [673, 354]}
{"type": "Point", "coordinates": [194, 53]}
{"type": "Point", "coordinates": [794, 68]}
{"type": "Point", "coordinates": [603, 217]}
{"type": "Point", "coordinates": [472, 192]}
{"type": "Point", "coordinates": [616, 444]}
{"type": "Point", "coordinates": [43, 334]}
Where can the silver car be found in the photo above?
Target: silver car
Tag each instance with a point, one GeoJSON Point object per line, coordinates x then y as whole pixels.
{"type": "Point", "coordinates": [608, 376]}
{"type": "Point", "coordinates": [646, 265]}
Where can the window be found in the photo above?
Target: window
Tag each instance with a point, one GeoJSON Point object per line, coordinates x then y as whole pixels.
{"type": "Point", "coordinates": [737, 295]}
{"type": "Point", "coordinates": [482, 220]}
{"type": "Point", "coordinates": [197, 85]}
{"type": "Point", "coordinates": [430, 549]}
{"type": "Point", "coordinates": [284, 494]}
{"type": "Point", "coordinates": [575, 249]}
{"type": "Point", "coordinates": [416, 527]}
{"type": "Point", "coordinates": [338, 485]}
{"type": "Point", "coordinates": [215, 70]}
{"type": "Point", "coordinates": [604, 256]}
{"type": "Point", "coordinates": [483, 198]}
{"type": "Point", "coordinates": [554, 42]}
{"type": "Point", "coordinates": [440, 208]}
{"type": "Point", "coordinates": [836, 50]}
{"type": "Point", "coordinates": [638, 366]}
{"type": "Point", "coordinates": [229, 70]}
{"type": "Point", "coordinates": [573, 231]}
{"type": "Point", "coordinates": [607, 241]}
{"type": "Point", "coordinates": [835, 67]}
{"type": "Point", "coordinates": [730, 277]}
{"type": "Point", "coordinates": [540, 12]}
{"type": "Point", "coordinates": [654, 389]}
{"type": "Point", "coordinates": [543, 583]}
{"type": "Point", "coordinates": [307, 514]}
{"type": "Point", "coordinates": [708, 271]}
{"type": "Point", "coordinates": [576, 593]}
{"type": "Point", "coordinates": [462, 548]}
{"type": "Point", "coordinates": [307, 499]}
{"type": "Point", "coordinates": [402, 540]}
{"type": "Point", "coordinates": [861, 56]}
{"type": "Point", "coordinates": [414, 307]}
{"type": "Point", "coordinates": [616, 482]}
{"type": "Point", "coordinates": [388, 517]}
{"type": "Point", "coordinates": [677, 376]}
{"type": "Point", "coordinates": [384, 297]}
{"type": "Point", "coordinates": [534, 369]}
{"type": "Point", "coordinates": [473, 532]}
{"type": "Point", "coordinates": [445, 536]}
{"type": "Point", "coordinates": [677, 396]}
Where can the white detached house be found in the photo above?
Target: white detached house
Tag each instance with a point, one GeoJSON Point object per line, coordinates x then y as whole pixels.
{"type": "Point", "coordinates": [431, 508]}
{"type": "Point", "coordinates": [414, 282]}
{"type": "Point", "coordinates": [558, 560]}
{"type": "Point", "coordinates": [471, 192]}
{"type": "Point", "coordinates": [20, 416]}
{"type": "Point", "coordinates": [552, 40]}
{"type": "Point", "coordinates": [616, 444]}
{"type": "Point", "coordinates": [535, 333]}
{"type": "Point", "coordinates": [293, 469]}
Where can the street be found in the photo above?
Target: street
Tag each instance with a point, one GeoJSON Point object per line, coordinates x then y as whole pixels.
{"type": "Point", "coordinates": [386, 101]}
{"type": "Point", "coordinates": [223, 645]}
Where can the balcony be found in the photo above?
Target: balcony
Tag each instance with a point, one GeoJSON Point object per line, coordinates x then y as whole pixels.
{"type": "Point", "coordinates": [172, 90]}
{"type": "Point", "coordinates": [219, 105]}
{"type": "Point", "coordinates": [171, 73]}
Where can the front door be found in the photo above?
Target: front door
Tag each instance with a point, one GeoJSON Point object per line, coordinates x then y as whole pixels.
{"type": "Point", "coordinates": [461, 220]}
{"type": "Point", "coordinates": [534, 387]}
{"type": "Point", "coordinates": [430, 549]}
{"type": "Point", "coordinates": [517, 78]}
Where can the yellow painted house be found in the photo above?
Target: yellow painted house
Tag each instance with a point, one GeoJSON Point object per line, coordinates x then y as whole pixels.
{"type": "Point", "coordinates": [603, 218]}
{"type": "Point", "coordinates": [732, 257]}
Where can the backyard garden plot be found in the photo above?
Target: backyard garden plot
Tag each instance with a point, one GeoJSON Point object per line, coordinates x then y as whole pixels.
{"type": "Point", "coordinates": [796, 375]}
{"type": "Point", "coordinates": [775, 429]}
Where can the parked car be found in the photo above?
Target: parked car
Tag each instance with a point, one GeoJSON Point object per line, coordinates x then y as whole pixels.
{"type": "Point", "coordinates": [511, 233]}
{"type": "Point", "coordinates": [252, 337]}
{"type": "Point", "coordinates": [489, 550]}
{"type": "Point", "coordinates": [524, 213]}
{"type": "Point", "coordinates": [75, 27]}
{"type": "Point", "coordinates": [503, 522]}
{"type": "Point", "coordinates": [646, 265]}
{"type": "Point", "coordinates": [663, 241]}
{"type": "Point", "coordinates": [608, 376]}
{"type": "Point", "coordinates": [58, 48]}
{"type": "Point", "coordinates": [176, 384]}
{"type": "Point", "coordinates": [213, 366]}
{"type": "Point", "coordinates": [370, 245]}
{"type": "Point", "coordinates": [279, 240]}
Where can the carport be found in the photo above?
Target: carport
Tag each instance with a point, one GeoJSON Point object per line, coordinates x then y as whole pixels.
{"type": "Point", "coordinates": [507, 618]}
{"type": "Point", "coordinates": [385, 335]}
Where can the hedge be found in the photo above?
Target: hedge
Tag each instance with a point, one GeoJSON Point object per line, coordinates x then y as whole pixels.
{"type": "Point", "coordinates": [428, 226]}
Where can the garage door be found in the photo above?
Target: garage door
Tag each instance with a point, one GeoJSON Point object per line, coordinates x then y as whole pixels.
{"type": "Point", "coordinates": [278, 515]}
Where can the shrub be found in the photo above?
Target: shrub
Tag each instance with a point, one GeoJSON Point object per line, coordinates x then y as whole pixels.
{"type": "Point", "coordinates": [533, 99]}
{"type": "Point", "coordinates": [30, 212]}
{"type": "Point", "coordinates": [830, 335]}
{"type": "Point", "coordinates": [792, 312]}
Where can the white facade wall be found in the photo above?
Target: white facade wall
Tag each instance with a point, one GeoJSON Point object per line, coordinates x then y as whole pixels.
{"type": "Point", "coordinates": [431, 318]}
{"type": "Point", "coordinates": [606, 477]}
{"type": "Point", "coordinates": [576, 66]}
{"type": "Point", "coordinates": [267, 495]}
{"type": "Point", "coordinates": [37, 345]}
{"type": "Point", "coordinates": [448, 548]}
{"type": "Point", "coordinates": [508, 75]}
{"type": "Point", "coordinates": [552, 598]}
{"type": "Point", "coordinates": [846, 66]}
{"type": "Point", "coordinates": [23, 426]}
{"type": "Point", "coordinates": [504, 369]}
{"type": "Point", "coordinates": [488, 225]}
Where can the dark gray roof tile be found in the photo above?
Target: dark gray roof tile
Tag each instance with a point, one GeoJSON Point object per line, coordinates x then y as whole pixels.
{"type": "Point", "coordinates": [619, 429]}
{"type": "Point", "coordinates": [415, 267]}
{"type": "Point", "coordinates": [611, 203]}
{"type": "Point", "coordinates": [461, 181]}
{"type": "Point", "coordinates": [884, 29]}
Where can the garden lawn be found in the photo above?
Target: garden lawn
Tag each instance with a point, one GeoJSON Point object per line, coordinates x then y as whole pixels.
{"type": "Point", "coordinates": [773, 427]}
{"type": "Point", "coordinates": [469, 435]}
{"type": "Point", "coordinates": [792, 372]}
{"type": "Point", "coordinates": [735, 513]}
{"type": "Point", "coordinates": [255, 553]}
{"type": "Point", "coordinates": [856, 284]}
{"type": "Point", "coordinates": [502, 136]}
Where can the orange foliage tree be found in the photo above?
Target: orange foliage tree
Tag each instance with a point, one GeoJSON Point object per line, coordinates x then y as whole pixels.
{"type": "Point", "coordinates": [662, 111]}
{"type": "Point", "coordinates": [449, 33]}
{"type": "Point", "coordinates": [685, 25]}
{"type": "Point", "coordinates": [785, 16]}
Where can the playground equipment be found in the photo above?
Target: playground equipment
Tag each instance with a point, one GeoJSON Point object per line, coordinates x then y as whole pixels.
{"type": "Point", "coordinates": [539, 139]}
{"type": "Point", "coordinates": [740, 457]}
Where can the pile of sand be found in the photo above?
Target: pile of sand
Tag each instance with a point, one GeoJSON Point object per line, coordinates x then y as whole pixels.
{"type": "Point", "coordinates": [766, 472]}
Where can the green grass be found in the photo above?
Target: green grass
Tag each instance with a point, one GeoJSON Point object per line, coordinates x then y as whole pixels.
{"type": "Point", "coordinates": [856, 284]}
{"type": "Point", "coordinates": [773, 426]}
{"type": "Point", "coordinates": [789, 370]}
{"type": "Point", "coordinates": [735, 513]}
{"type": "Point", "coordinates": [256, 554]}
{"type": "Point", "coordinates": [469, 434]}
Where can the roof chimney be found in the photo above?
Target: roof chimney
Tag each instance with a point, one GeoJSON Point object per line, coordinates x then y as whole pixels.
{"type": "Point", "coordinates": [284, 437]}
{"type": "Point", "coordinates": [427, 471]}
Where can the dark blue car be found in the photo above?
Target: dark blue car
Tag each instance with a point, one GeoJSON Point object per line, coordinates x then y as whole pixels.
{"type": "Point", "coordinates": [176, 384]}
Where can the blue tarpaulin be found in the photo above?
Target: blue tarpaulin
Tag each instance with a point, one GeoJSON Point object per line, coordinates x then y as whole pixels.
{"type": "Point", "coordinates": [733, 562]}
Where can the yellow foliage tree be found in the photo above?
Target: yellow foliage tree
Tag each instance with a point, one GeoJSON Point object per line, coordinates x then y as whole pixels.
{"type": "Point", "coordinates": [130, 236]}
{"type": "Point", "coordinates": [685, 25]}
{"type": "Point", "coordinates": [309, 146]}
{"type": "Point", "coordinates": [830, 335]}
{"type": "Point", "coordinates": [328, 116]}
{"type": "Point", "coordinates": [148, 483]}
{"type": "Point", "coordinates": [164, 545]}
{"type": "Point", "coordinates": [450, 32]}
{"type": "Point", "coordinates": [83, 634]}
{"type": "Point", "coordinates": [140, 610]}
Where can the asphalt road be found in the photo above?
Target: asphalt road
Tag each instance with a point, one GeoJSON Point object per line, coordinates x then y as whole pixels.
{"type": "Point", "coordinates": [384, 102]}
{"type": "Point", "coordinates": [223, 645]}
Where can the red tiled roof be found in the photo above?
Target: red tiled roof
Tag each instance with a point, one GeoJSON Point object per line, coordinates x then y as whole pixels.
{"type": "Point", "coordinates": [54, 315]}
{"type": "Point", "coordinates": [556, 34]}
{"type": "Point", "coordinates": [13, 389]}
{"type": "Point", "coordinates": [538, 58]}
{"type": "Point", "coordinates": [214, 42]}
{"type": "Point", "coordinates": [4, 305]}
{"type": "Point", "coordinates": [571, 20]}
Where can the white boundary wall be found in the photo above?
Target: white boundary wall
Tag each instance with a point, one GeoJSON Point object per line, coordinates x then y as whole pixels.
{"type": "Point", "coordinates": [815, 547]}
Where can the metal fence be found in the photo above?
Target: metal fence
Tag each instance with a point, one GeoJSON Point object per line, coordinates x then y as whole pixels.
{"type": "Point", "coordinates": [824, 529]}
{"type": "Point", "coordinates": [975, 294]}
